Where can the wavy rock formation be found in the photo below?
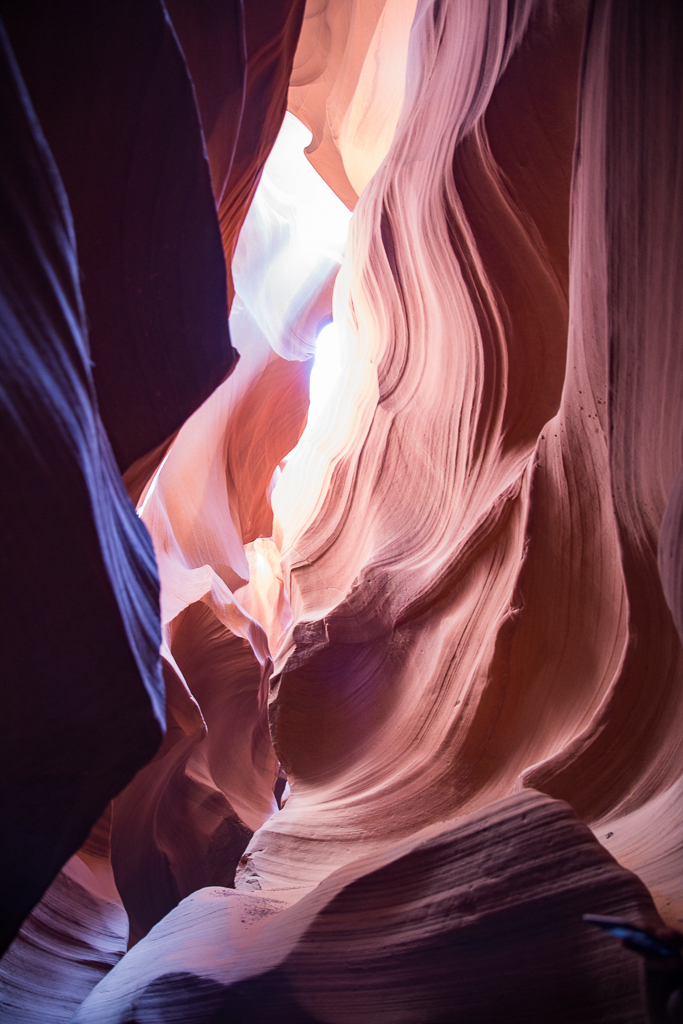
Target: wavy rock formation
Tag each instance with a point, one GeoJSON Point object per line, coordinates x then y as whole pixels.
{"type": "Point", "coordinates": [509, 596]}
{"type": "Point", "coordinates": [424, 526]}
{"type": "Point", "coordinates": [441, 927]}
{"type": "Point", "coordinates": [69, 942]}
{"type": "Point", "coordinates": [448, 612]}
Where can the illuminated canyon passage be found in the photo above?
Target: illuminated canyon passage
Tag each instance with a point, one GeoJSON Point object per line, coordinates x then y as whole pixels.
{"type": "Point", "coordinates": [341, 714]}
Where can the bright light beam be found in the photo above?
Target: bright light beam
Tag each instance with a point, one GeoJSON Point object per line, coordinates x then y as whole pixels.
{"type": "Point", "coordinates": [325, 372]}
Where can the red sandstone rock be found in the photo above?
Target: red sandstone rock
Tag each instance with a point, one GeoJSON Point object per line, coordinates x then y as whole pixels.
{"type": "Point", "coordinates": [455, 575]}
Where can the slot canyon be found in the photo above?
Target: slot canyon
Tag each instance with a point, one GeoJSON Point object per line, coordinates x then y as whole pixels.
{"type": "Point", "coordinates": [342, 517]}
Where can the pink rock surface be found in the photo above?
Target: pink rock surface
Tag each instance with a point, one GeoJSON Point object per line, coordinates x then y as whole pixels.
{"type": "Point", "coordinates": [347, 86]}
{"type": "Point", "coordinates": [509, 596]}
{"type": "Point", "coordinates": [444, 926]}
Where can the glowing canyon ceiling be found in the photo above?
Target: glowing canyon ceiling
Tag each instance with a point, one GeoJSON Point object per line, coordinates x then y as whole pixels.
{"type": "Point", "coordinates": [346, 721]}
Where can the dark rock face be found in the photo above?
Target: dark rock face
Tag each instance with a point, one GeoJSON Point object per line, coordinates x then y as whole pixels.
{"type": "Point", "coordinates": [111, 90]}
{"type": "Point", "coordinates": [80, 663]}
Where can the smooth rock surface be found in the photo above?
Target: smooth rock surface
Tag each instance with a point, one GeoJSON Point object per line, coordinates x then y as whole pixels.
{"type": "Point", "coordinates": [441, 927]}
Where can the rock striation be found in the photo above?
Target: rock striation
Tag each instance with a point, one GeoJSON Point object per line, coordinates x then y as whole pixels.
{"type": "Point", "coordinates": [443, 926]}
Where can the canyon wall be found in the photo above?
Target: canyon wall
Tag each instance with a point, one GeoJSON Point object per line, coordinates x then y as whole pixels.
{"type": "Point", "coordinates": [448, 611]}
